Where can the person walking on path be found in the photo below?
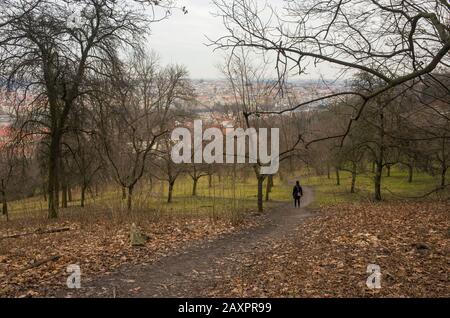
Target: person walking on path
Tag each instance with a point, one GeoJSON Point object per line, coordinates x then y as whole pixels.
{"type": "Point", "coordinates": [297, 192]}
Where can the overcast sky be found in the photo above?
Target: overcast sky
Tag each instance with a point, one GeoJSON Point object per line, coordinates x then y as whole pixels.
{"type": "Point", "coordinates": [181, 38]}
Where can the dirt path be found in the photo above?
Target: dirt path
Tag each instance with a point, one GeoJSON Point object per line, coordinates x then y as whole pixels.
{"type": "Point", "coordinates": [199, 267]}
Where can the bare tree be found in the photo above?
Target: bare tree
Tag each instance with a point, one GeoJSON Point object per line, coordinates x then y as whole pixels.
{"type": "Point", "coordinates": [394, 41]}
{"type": "Point", "coordinates": [84, 159]}
{"type": "Point", "coordinates": [196, 172]}
{"type": "Point", "coordinates": [165, 168]}
{"type": "Point", "coordinates": [45, 54]}
{"type": "Point", "coordinates": [248, 83]}
{"type": "Point", "coordinates": [351, 158]}
{"type": "Point", "coordinates": [8, 12]}
{"type": "Point", "coordinates": [17, 171]}
{"type": "Point", "coordinates": [177, 93]}
{"type": "Point", "coordinates": [135, 113]}
{"type": "Point", "coordinates": [8, 165]}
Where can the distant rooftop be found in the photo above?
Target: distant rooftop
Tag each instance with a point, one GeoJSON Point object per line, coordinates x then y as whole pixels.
{"type": "Point", "coordinates": [5, 119]}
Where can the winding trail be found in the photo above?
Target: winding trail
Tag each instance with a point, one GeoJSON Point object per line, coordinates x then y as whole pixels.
{"type": "Point", "coordinates": [200, 266]}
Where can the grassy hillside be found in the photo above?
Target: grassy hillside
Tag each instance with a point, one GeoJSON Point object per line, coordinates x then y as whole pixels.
{"type": "Point", "coordinates": [394, 187]}
{"type": "Point", "coordinates": [233, 199]}
{"type": "Point", "coordinates": [223, 198]}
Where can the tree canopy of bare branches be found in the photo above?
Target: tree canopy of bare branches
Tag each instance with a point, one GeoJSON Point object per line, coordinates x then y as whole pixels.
{"type": "Point", "coordinates": [394, 41]}
{"type": "Point", "coordinates": [48, 50]}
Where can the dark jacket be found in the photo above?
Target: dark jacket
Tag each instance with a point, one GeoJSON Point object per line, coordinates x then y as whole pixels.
{"type": "Point", "coordinates": [297, 191]}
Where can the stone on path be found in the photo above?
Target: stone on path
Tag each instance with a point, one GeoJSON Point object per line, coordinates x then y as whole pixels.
{"type": "Point", "coordinates": [137, 238]}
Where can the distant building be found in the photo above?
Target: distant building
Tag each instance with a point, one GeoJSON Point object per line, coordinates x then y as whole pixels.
{"type": "Point", "coordinates": [5, 130]}
{"type": "Point", "coordinates": [5, 120]}
{"type": "Point", "coordinates": [5, 134]}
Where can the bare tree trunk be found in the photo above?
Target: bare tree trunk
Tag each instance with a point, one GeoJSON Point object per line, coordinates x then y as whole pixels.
{"type": "Point", "coordinates": [410, 173]}
{"type": "Point", "coordinates": [443, 173]}
{"type": "Point", "coordinates": [269, 186]}
{"type": "Point", "coordinates": [130, 197]}
{"type": "Point", "coordinates": [328, 171]}
{"type": "Point", "coordinates": [352, 189]}
{"type": "Point", "coordinates": [5, 206]}
{"type": "Point", "coordinates": [260, 193]}
{"type": "Point", "coordinates": [443, 163]}
{"type": "Point", "coordinates": [124, 193]}
{"type": "Point", "coordinates": [69, 193]}
{"type": "Point", "coordinates": [83, 195]}
{"type": "Point", "coordinates": [379, 160]}
{"type": "Point", "coordinates": [338, 176]}
{"type": "Point", "coordinates": [194, 187]}
{"type": "Point", "coordinates": [388, 172]}
{"type": "Point", "coordinates": [63, 184]}
{"type": "Point", "coordinates": [64, 195]}
{"type": "Point", "coordinates": [53, 176]}
{"type": "Point", "coordinates": [377, 179]}
{"type": "Point", "coordinates": [169, 197]}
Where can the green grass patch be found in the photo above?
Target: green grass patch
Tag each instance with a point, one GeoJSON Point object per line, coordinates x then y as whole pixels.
{"type": "Point", "coordinates": [394, 187]}
{"type": "Point", "coordinates": [233, 198]}
{"type": "Point", "coordinates": [226, 197]}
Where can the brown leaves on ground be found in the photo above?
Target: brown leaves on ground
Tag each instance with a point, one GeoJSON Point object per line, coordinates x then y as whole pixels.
{"type": "Point", "coordinates": [97, 248]}
{"type": "Point", "coordinates": [328, 255]}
